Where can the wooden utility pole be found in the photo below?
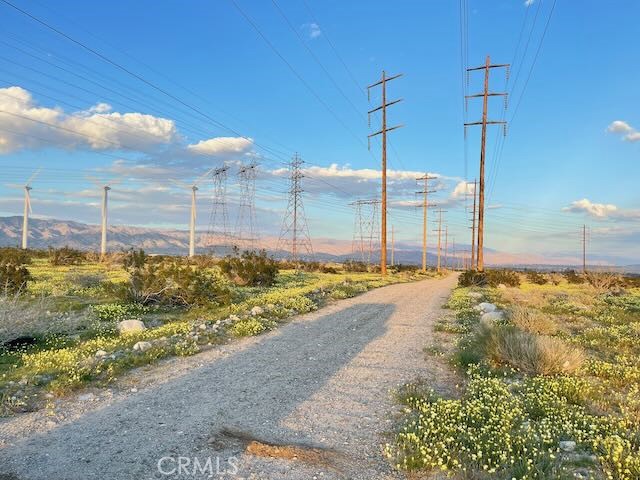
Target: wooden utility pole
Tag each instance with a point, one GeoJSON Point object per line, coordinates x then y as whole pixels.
{"type": "Point", "coordinates": [455, 259]}
{"type": "Point", "coordinates": [425, 205]}
{"type": "Point", "coordinates": [439, 230]}
{"type": "Point", "coordinates": [484, 122]}
{"type": "Point", "coordinates": [383, 131]}
{"type": "Point", "coordinates": [393, 246]}
{"type": "Point", "coordinates": [473, 226]}
{"type": "Point", "coordinates": [446, 247]}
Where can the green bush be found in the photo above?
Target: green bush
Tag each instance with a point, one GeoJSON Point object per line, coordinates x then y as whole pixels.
{"type": "Point", "coordinates": [355, 266]}
{"type": "Point", "coordinates": [536, 277]}
{"type": "Point", "coordinates": [65, 256]}
{"type": "Point", "coordinates": [15, 256]}
{"type": "Point", "coordinates": [471, 278]}
{"type": "Point", "coordinates": [116, 312]}
{"type": "Point", "coordinates": [504, 277]}
{"type": "Point", "coordinates": [250, 268]}
{"type": "Point", "coordinates": [171, 283]}
{"type": "Point", "coordinates": [248, 327]}
{"type": "Point", "coordinates": [572, 277]}
{"type": "Point", "coordinates": [14, 278]}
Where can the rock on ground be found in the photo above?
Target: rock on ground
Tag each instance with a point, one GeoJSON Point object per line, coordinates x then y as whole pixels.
{"type": "Point", "coordinates": [129, 326]}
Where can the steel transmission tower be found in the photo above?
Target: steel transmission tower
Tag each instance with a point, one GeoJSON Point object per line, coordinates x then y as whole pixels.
{"type": "Point", "coordinates": [294, 234]}
{"type": "Point", "coordinates": [366, 231]}
{"type": "Point", "coordinates": [245, 233]}
{"type": "Point", "coordinates": [218, 236]}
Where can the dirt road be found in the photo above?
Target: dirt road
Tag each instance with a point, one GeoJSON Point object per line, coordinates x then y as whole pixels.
{"type": "Point", "coordinates": [308, 400]}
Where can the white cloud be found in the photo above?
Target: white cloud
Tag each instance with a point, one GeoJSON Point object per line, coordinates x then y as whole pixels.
{"type": "Point", "coordinates": [312, 30]}
{"type": "Point", "coordinates": [221, 145]}
{"type": "Point", "coordinates": [628, 133]}
{"type": "Point", "coordinates": [597, 210]}
{"type": "Point", "coordinates": [528, 3]}
{"type": "Point", "coordinates": [462, 189]}
{"type": "Point", "coordinates": [24, 124]}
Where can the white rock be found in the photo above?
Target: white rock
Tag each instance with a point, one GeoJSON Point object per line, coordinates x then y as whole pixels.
{"type": "Point", "coordinates": [257, 310]}
{"type": "Point", "coordinates": [203, 326]}
{"type": "Point", "coordinates": [490, 318]}
{"type": "Point", "coordinates": [142, 346]}
{"type": "Point", "coordinates": [101, 353]}
{"type": "Point", "coordinates": [129, 326]}
{"type": "Point", "coordinates": [567, 445]}
{"type": "Point", "coordinates": [474, 295]}
{"type": "Point", "coordinates": [233, 318]}
{"type": "Point", "coordinates": [486, 307]}
{"type": "Point", "coordinates": [502, 286]}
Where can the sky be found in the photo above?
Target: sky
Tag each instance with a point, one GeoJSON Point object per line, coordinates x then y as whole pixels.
{"type": "Point", "coordinates": [150, 96]}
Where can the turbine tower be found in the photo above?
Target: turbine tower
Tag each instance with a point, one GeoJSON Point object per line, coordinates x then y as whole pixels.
{"type": "Point", "coordinates": [193, 213]}
{"type": "Point", "coordinates": [27, 210]}
{"type": "Point", "coordinates": [105, 185]}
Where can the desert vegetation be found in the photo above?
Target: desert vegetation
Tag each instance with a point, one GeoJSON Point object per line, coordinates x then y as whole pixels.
{"type": "Point", "coordinates": [551, 364]}
{"type": "Point", "coordinates": [68, 320]}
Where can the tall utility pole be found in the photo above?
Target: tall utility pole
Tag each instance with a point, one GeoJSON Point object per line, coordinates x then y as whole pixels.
{"type": "Point", "coordinates": [383, 131]}
{"type": "Point", "coordinates": [103, 240]}
{"type": "Point", "coordinates": [584, 249]}
{"type": "Point", "coordinates": [393, 246]}
{"type": "Point", "coordinates": [484, 122]}
{"type": "Point", "coordinates": [425, 205]}
{"type": "Point", "coordinates": [219, 219]}
{"type": "Point", "coordinates": [446, 247]}
{"type": "Point", "coordinates": [439, 230]}
{"type": "Point", "coordinates": [473, 226]}
{"type": "Point", "coordinates": [294, 235]}
{"type": "Point", "coordinates": [246, 234]}
{"type": "Point", "coordinates": [192, 222]}
{"type": "Point", "coordinates": [455, 259]}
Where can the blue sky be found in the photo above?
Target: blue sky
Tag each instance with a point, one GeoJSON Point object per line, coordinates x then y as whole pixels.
{"type": "Point", "coordinates": [560, 166]}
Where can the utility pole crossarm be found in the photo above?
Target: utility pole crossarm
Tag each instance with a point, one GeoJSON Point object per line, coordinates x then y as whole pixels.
{"type": "Point", "coordinates": [385, 130]}
{"type": "Point", "coordinates": [388, 104]}
{"type": "Point", "coordinates": [488, 122]}
{"type": "Point", "coordinates": [490, 94]}
{"type": "Point", "coordinates": [483, 67]}
{"type": "Point", "coordinates": [385, 79]}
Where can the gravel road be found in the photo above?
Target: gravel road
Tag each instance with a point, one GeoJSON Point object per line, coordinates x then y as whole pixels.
{"type": "Point", "coordinates": [309, 400]}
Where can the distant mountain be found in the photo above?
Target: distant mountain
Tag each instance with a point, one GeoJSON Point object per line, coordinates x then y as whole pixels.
{"type": "Point", "coordinates": [59, 233]}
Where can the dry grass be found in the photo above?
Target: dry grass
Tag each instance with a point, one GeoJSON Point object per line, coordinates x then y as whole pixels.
{"type": "Point", "coordinates": [34, 319]}
{"type": "Point", "coordinates": [533, 321]}
{"type": "Point", "coordinates": [530, 353]}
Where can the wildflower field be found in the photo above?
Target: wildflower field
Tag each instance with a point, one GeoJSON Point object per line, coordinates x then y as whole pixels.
{"type": "Point", "coordinates": [551, 384]}
{"type": "Point", "coordinates": [62, 330]}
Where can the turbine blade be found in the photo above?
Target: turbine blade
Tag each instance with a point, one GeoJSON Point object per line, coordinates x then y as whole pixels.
{"type": "Point", "coordinates": [33, 176]}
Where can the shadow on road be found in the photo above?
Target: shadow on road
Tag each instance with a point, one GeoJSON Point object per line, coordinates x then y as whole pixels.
{"type": "Point", "coordinates": [251, 391]}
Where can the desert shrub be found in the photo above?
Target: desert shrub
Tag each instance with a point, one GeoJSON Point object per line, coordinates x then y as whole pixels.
{"type": "Point", "coordinates": [603, 281]}
{"type": "Point", "coordinates": [354, 266]}
{"type": "Point", "coordinates": [533, 321]}
{"type": "Point", "coordinates": [572, 277]}
{"type": "Point", "coordinates": [471, 278]}
{"type": "Point", "coordinates": [14, 278]}
{"type": "Point", "coordinates": [15, 256]}
{"type": "Point", "coordinates": [493, 278]}
{"type": "Point", "coordinates": [328, 269]}
{"type": "Point", "coordinates": [85, 279]}
{"type": "Point", "coordinates": [203, 261]}
{"type": "Point", "coordinates": [530, 353]}
{"type": "Point", "coordinates": [250, 268]}
{"type": "Point", "coordinates": [170, 283]}
{"type": "Point", "coordinates": [404, 268]}
{"type": "Point", "coordinates": [65, 256]}
{"type": "Point", "coordinates": [536, 277]}
{"type": "Point", "coordinates": [504, 277]}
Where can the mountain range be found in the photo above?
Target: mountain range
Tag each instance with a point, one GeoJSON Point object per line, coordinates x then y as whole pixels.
{"type": "Point", "coordinates": [45, 233]}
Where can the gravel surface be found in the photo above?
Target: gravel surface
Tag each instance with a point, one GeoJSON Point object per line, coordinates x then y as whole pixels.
{"type": "Point", "coordinates": [308, 400]}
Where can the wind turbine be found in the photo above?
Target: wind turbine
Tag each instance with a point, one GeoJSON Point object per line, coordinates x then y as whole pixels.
{"type": "Point", "coordinates": [105, 186]}
{"type": "Point", "coordinates": [192, 217]}
{"type": "Point", "coordinates": [27, 209]}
